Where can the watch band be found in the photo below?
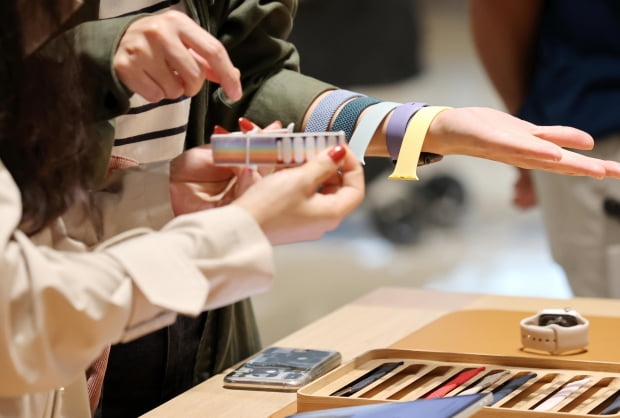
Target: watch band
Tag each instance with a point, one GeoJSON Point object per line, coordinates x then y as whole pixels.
{"type": "Point", "coordinates": [613, 407]}
{"type": "Point", "coordinates": [510, 386]}
{"type": "Point", "coordinates": [348, 115]}
{"type": "Point", "coordinates": [553, 338]}
{"type": "Point", "coordinates": [367, 379]}
{"type": "Point", "coordinates": [367, 127]}
{"type": "Point", "coordinates": [271, 148]}
{"type": "Point", "coordinates": [484, 383]}
{"type": "Point", "coordinates": [563, 393]}
{"type": "Point", "coordinates": [324, 111]}
{"type": "Point", "coordinates": [454, 383]}
{"type": "Point", "coordinates": [409, 154]}
{"type": "Point", "coordinates": [397, 125]}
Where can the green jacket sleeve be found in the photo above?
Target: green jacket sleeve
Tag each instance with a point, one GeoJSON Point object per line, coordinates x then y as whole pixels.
{"type": "Point", "coordinates": [96, 43]}
{"type": "Point", "coordinates": [254, 33]}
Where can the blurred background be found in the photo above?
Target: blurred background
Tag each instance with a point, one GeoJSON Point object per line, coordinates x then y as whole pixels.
{"type": "Point", "coordinates": [456, 228]}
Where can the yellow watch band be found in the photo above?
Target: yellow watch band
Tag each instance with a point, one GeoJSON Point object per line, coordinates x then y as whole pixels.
{"type": "Point", "coordinates": [410, 150]}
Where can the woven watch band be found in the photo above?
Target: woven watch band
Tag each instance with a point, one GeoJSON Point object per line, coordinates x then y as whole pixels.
{"type": "Point", "coordinates": [322, 115]}
{"type": "Point", "coordinates": [347, 117]}
{"type": "Point", "coordinates": [367, 126]}
{"type": "Point", "coordinates": [397, 125]}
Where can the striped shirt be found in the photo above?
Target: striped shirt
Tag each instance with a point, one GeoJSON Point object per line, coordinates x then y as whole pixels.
{"type": "Point", "coordinates": [149, 131]}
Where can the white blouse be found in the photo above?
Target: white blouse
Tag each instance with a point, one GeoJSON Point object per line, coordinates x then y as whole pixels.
{"type": "Point", "coordinates": [64, 296]}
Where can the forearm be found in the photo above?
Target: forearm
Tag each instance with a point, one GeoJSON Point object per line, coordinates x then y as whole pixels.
{"type": "Point", "coordinates": [505, 35]}
{"type": "Point", "coordinates": [126, 288]}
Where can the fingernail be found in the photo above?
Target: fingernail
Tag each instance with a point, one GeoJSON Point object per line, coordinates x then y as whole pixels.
{"type": "Point", "coordinates": [245, 124]}
{"type": "Point", "coordinates": [337, 153]}
{"type": "Point", "coordinates": [217, 129]}
{"type": "Point", "coordinates": [237, 94]}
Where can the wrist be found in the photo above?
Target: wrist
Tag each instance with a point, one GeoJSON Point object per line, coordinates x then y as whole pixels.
{"type": "Point", "coordinates": [440, 137]}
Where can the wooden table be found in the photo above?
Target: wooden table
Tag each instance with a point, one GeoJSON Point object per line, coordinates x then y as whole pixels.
{"type": "Point", "coordinates": [376, 320]}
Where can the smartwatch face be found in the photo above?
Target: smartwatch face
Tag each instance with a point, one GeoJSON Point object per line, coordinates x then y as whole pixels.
{"type": "Point", "coordinates": [563, 320]}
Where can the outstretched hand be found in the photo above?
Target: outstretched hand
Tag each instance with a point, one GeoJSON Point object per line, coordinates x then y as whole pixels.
{"type": "Point", "coordinates": [498, 136]}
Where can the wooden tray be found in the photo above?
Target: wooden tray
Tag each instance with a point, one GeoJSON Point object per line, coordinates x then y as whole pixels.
{"type": "Point", "coordinates": [422, 371]}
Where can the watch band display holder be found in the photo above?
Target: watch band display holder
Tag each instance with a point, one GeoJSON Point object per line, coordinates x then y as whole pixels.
{"type": "Point", "coordinates": [422, 372]}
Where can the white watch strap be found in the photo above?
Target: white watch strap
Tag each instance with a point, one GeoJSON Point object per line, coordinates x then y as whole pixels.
{"type": "Point", "coordinates": [564, 392]}
{"type": "Point", "coordinates": [554, 339]}
{"type": "Point", "coordinates": [367, 126]}
{"type": "Point", "coordinates": [487, 381]}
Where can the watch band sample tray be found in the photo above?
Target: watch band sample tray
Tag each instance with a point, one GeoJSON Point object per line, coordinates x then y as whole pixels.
{"type": "Point", "coordinates": [420, 372]}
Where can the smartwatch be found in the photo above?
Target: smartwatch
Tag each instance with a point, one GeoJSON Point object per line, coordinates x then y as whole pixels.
{"type": "Point", "coordinates": [555, 331]}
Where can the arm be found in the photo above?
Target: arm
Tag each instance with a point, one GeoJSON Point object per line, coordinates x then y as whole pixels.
{"type": "Point", "coordinates": [254, 33]}
{"type": "Point", "coordinates": [61, 307]}
{"type": "Point", "coordinates": [505, 37]}
{"type": "Point", "coordinates": [61, 303]}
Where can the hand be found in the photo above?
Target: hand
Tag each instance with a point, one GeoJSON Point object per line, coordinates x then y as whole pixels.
{"type": "Point", "coordinates": [289, 206]}
{"type": "Point", "coordinates": [495, 135]}
{"type": "Point", "coordinates": [525, 193]}
{"type": "Point", "coordinates": [169, 55]}
{"type": "Point", "coordinates": [197, 184]}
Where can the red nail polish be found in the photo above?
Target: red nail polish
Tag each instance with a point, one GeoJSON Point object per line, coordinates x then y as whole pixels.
{"type": "Point", "coordinates": [217, 129]}
{"type": "Point", "coordinates": [245, 124]}
{"type": "Point", "coordinates": [337, 153]}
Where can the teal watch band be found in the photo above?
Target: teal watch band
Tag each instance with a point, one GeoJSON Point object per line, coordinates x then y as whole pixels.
{"type": "Point", "coordinates": [347, 117]}
{"type": "Point", "coordinates": [366, 128]}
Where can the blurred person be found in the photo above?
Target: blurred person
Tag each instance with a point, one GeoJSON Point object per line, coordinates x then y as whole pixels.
{"type": "Point", "coordinates": [558, 62]}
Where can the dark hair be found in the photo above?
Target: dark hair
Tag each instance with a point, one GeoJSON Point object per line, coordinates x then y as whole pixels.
{"type": "Point", "coordinates": [42, 120]}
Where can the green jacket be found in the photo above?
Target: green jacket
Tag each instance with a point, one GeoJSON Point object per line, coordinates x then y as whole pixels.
{"type": "Point", "coordinates": [254, 33]}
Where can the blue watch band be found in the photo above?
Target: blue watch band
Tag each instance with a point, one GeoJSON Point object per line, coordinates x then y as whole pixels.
{"type": "Point", "coordinates": [510, 386]}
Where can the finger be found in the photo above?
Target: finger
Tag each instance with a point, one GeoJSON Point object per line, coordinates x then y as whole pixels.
{"type": "Point", "coordinates": [323, 168]}
{"type": "Point", "coordinates": [247, 178]}
{"type": "Point", "coordinates": [146, 87]}
{"type": "Point", "coordinates": [266, 169]}
{"type": "Point", "coordinates": [612, 169]}
{"type": "Point", "coordinates": [196, 164]}
{"type": "Point", "coordinates": [189, 71]}
{"type": "Point", "coordinates": [247, 125]}
{"type": "Point", "coordinates": [213, 57]}
{"type": "Point", "coordinates": [514, 149]}
{"type": "Point", "coordinates": [135, 78]}
{"type": "Point", "coordinates": [565, 136]}
{"type": "Point", "coordinates": [273, 126]}
{"type": "Point", "coordinates": [154, 63]}
{"type": "Point", "coordinates": [332, 184]}
{"type": "Point", "coordinates": [572, 164]}
{"type": "Point", "coordinates": [167, 79]}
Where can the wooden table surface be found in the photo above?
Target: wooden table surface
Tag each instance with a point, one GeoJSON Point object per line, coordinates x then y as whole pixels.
{"type": "Point", "coordinates": [376, 320]}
